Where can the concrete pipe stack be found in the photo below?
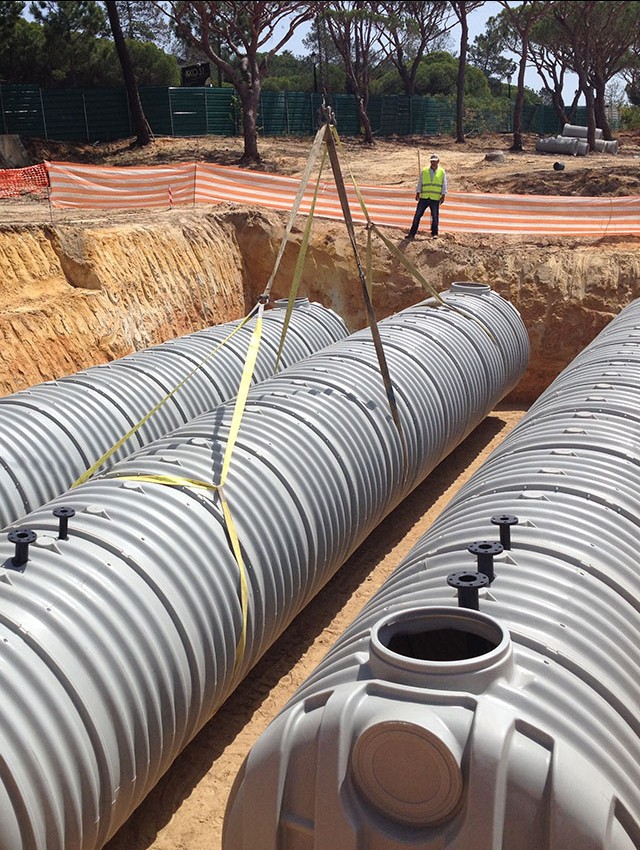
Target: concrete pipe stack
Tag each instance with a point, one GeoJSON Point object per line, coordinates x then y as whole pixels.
{"type": "Point", "coordinates": [122, 633]}
{"type": "Point", "coordinates": [51, 433]}
{"type": "Point", "coordinates": [563, 145]}
{"type": "Point", "coordinates": [487, 697]}
{"type": "Point", "coordinates": [573, 142]}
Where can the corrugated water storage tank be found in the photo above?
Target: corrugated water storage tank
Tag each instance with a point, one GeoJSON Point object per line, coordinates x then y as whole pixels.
{"type": "Point", "coordinates": [51, 433]}
{"type": "Point", "coordinates": [122, 631]}
{"type": "Point", "coordinates": [511, 726]}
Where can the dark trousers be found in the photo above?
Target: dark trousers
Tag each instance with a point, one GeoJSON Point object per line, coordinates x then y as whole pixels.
{"type": "Point", "coordinates": [434, 207]}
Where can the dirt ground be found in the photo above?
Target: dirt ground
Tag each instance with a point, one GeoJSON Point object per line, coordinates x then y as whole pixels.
{"type": "Point", "coordinates": [389, 162]}
{"type": "Point", "coordinates": [185, 810]}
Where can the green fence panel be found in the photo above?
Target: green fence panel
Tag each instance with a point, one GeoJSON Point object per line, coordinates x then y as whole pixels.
{"type": "Point", "coordinates": [478, 121]}
{"type": "Point", "coordinates": [272, 114]}
{"type": "Point", "coordinates": [411, 114]}
{"type": "Point", "coordinates": [302, 112]}
{"type": "Point", "coordinates": [402, 120]}
{"type": "Point", "coordinates": [189, 111]}
{"type": "Point", "coordinates": [394, 117]}
{"type": "Point", "coordinates": [107, 114]}
{"type": "Point", "coordinates": [156, 105]}
{"type": "Point", "coordinates": [374, 111]}
{"type": "Point", "coordinates": [439, 117]}
{"type": "Point", "coordinates": [64, 115]}
{"type": "Point", "coordinates": [346, 112]}
{"type": "Point", "coordinates": [541, 120]}
{"type": "Point", "coordinates": [224, 117]}
{"type": "Point", "coordinates": [104, 114]}
{"type": "Point", "coordinates": [384, 111]}
{"type": "Point", "coordinates": [22, 113]}
{"type": "Point", "coordinates": [415, 114]}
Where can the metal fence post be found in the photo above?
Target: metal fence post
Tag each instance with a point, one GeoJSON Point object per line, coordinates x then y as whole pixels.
{"type": "Point", "coordinates": [4, 122]}
{"type": "Point", "coordinates": [44, 117]}
{"type": "Point", "coordinates": [86, 120]}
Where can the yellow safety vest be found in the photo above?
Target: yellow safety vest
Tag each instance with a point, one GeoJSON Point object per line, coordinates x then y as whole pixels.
{"type": "Point", "coordinates": [432, 189]}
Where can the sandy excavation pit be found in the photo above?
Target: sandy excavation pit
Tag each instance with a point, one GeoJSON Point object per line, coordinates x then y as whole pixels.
{"type": "Point", "coordinates": [78, 289]}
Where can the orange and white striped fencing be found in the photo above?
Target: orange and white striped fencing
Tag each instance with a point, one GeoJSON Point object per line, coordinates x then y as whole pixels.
{"type": "Point", "coordinates": [104, 187]}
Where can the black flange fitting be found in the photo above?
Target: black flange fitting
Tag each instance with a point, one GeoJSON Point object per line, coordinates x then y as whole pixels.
{"type": "Point", "coordinates": [63, 514]}
{"type": "Point", "coordinates": [485, 550]}
{"type": "Point", "coordinates": [22, 537]}
{"type": "Point", "coordinates": [468, 585]}
{"type": "Point", "coordinates": [505, 521]}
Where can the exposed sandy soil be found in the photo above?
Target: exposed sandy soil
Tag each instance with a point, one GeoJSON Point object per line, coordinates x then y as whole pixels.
{"type": "Point", "coordinates": [185, 810]}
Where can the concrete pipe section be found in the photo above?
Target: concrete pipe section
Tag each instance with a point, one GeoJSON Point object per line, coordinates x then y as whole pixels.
{"type": "Point", "coordinates": [121, 622]}
{"type": "Point", "coordinates": [50, 434]}
{"type": "Point", "coordinates": [563, 145]}
{"type": "Point", "coordinates": [577, 131]}
{"type": "Point", "coordinates": [603, 146]}
{"type": "Point", "coordinates": [487, 697]}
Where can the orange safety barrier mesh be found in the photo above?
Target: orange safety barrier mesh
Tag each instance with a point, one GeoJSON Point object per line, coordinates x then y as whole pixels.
{"type": "Point", "coordinates": [103, 187]}
{"type": "Point", "coordinates": [16, 181]}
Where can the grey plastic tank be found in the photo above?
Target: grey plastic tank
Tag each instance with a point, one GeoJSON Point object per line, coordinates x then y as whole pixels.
{"type": "Point", "coordinates": [461, 712]}
{"type": "Point", "coordinates": [51, 433]}
{"type": "Point", "coordinates": [121, 625]}
{"type": "Point", "coordinates": [578, 132]}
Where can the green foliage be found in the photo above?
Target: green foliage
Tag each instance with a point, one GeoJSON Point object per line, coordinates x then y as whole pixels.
{"type": "Point", "coordinates": [70, 45]}
{"type": "Point", "coordinates": [287, 73]}
{"type": "Point", "coordinates": [70, 30]}
{"type": "Point", "coordinates": [144, 21]}
{"type": "Point", "coordinates": [151, 65]}
{"type": "Point", "coordinates": [476, 84]}
{"type": "Point", "coordinates": [388, 83]}
{"type": "Point", "coordinates": [21, 55]}
{"type": "Point", "coordinates": [437, 74]}
{"type": "Point", "coordinates": [632, 90]}
{"type": "Point", "coordinates": [486, 51]}
{"type": "Point", "coordinates": [10, 14]}
{"type": "Point", "coordinates": [630, 117]}
{"type": "Point", "coordinates": [437, 77]}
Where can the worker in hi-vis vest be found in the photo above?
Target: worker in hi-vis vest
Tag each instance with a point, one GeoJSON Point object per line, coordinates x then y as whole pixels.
{"type": "Point", "coordinates": [430, 192]}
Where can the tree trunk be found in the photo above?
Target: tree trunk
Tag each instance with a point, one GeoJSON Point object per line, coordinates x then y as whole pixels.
{"type": "Point", "coordinates": [365, 123]}
{"type": "Point", "coordinates": [591, 119]}
{"type": "Point", "coordinates": [250, 99]}
{"type": "Point", "coordinates": [464, 43]}
{"type": "Point", "coordinates": [519, 104]}
{"type": "Point", "coordinates": [143, 133]}
{"type": "Point", "coordinates": [600, 110]}
{"type": "Point", "coordinates": [559, 108]}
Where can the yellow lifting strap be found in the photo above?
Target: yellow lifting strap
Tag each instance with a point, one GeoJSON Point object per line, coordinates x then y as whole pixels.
{"type": "Point", "coordinates": [110, 452]}
{"type": "Point", "coordinates": [313, 155]}
{"type": "Point", "coordinates": [180, 481]}
{"type": "Point", "coordinates": [302, 255]}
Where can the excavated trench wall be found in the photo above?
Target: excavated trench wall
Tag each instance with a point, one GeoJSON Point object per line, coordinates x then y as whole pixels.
{"type": "Point", "coordinates": [74, 295]}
